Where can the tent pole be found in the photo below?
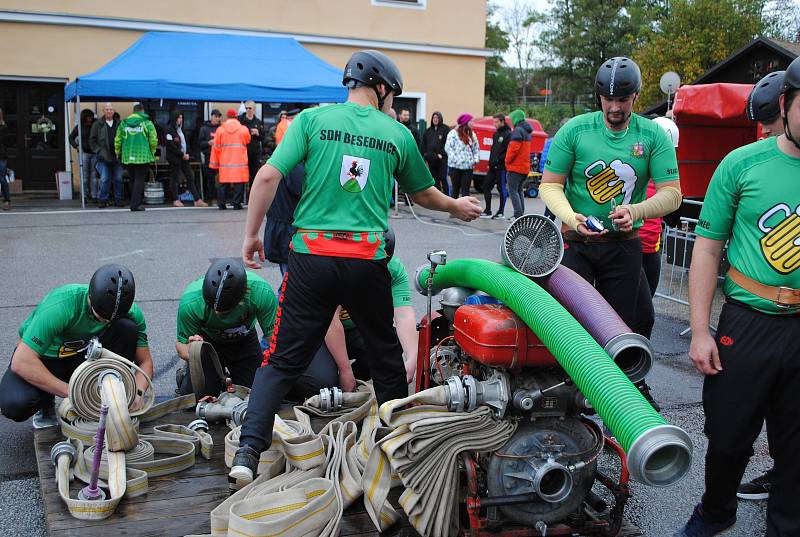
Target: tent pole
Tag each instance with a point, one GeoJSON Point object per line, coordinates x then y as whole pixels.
{"type": "Point", "coordinates": [80, 148]}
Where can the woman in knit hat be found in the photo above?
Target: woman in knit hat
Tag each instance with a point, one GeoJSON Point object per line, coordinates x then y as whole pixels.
{"type": "Point", "coordinates": [462, 151]}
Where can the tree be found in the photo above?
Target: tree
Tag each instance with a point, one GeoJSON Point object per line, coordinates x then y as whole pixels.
{"type": "Point", "coordinates": [695, 36]}
{"type": "Point", "coordinates": [499, 86]}
{"type": "Point", "coordinates": [517, 22]}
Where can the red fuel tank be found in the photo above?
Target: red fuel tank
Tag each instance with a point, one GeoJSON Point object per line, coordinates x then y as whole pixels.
{"type": "Point", "coordinates": [493, 335]}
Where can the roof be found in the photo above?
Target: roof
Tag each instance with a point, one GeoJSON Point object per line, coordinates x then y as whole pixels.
{"type": "Point", "coordinates": [212, 67]}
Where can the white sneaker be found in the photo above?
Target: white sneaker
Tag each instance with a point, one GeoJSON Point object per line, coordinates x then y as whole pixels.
{"type": "Point", "coordinates": [486, 215]}
{"type": "Point", "coordinates": [45, 418]}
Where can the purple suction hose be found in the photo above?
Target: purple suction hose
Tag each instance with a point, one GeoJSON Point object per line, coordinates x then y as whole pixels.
{"type": "Point", "coordinates": [632, 352]}
{"type": "Point", "coordinates": [92, 491]}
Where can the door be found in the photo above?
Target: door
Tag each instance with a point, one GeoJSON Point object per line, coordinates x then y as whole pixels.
{"type": "Point", "coordinates": [34, 113]}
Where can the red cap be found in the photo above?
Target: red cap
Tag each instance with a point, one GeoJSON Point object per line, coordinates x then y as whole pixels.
{"type": "Point", "coordinates": [232, 112]}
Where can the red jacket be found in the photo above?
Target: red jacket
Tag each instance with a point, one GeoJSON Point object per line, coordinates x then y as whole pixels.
{"type": "Point", "coordinates": [229, 152]}
{"type": "Point", "coordinates": [518, 155]}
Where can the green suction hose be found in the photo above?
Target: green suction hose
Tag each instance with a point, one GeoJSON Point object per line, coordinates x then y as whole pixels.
{"type": "Point", "coordinates": [658, 454]}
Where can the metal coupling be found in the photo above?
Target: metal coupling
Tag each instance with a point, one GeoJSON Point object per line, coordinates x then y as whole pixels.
{"type": "Point", "coordinates": [199, 425]}
{"type": "Point", "coordinates": [239, 413]}
{"type": "Point", "coordinates": [63, 448]}
{"type": "Point", "coordinates": [94, 350]}
{"type": "Point", "coordinates": [330, 399]}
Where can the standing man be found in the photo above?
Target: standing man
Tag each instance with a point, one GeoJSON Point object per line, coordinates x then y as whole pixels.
{"type": "Point", "coordinates": [89, 159]}
{"type": "Point", "coordinates": [752, 366]}
{"type": "Point", "coordinates": [256, 128]}
{"type": "Point", "coordinates": [351, 152]}
{"type": "Point", "coordinates": [206, 141]}
{"type": "Point", "coordinates": [229, 156]}
{"type": "Point", "coordinates": [101, 140]}
{"type": "Point", "coordinates": [496, 174]}
{"type": "Point", "coordinates": [599, 165]}
{"type": "Point", "coordinates": [53, 341]}
{"type": "Point", "coordinates": [518, 161]}
{"type": "Point", "coordinates": [135, 146]}
{"type": "Point", "coordinates": [433, 150]}
{"type": "Point", "coordinates": [404, 117]}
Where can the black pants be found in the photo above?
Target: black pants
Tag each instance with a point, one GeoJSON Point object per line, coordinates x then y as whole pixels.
{"type": "Point", "coordinates": [19, 400]}
{"type": "Point", "coordinates": [494, 177]}
{"type": "Point", "coordinates": [438, 168]}
{"type": "Point", "coordinates": [253, 162]}
{"type": "Point", "coordinates": [760, 379]}
{"type": "Point", "coordinates": [175, 170]}
{"type": "Point", "coordinates": [615, 270]}
{"type": "Point", "coordinates": [462, 180]}
{"type": "Point", "coordinates": [242, 357]}
{"type": "Point", "coordinates": [651, 263]}
{"type": "Point", "coordinates": [238, 193]}
{"type": "Point", "coordinates": [137, 173]}
{"type": "Point", "coordinates": [312, 289]}
{"type": "Point", "coordinates": [209, 181]}
{"type": "Point", "coordinates": [322, 372]}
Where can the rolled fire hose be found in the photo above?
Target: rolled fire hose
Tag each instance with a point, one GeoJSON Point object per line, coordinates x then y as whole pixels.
{"type": "Point", "coordinates": [197, 351]}
{"type": "Point", "coordinates": [632, 352]}
{"type": "Point", "coordinates": [658, 454]}
{"type": "Point", "coordinates": [107, 378]}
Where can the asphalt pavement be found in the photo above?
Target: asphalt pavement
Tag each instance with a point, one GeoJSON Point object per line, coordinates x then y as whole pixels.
{"type": "Point", "coordinates": [167, 248]}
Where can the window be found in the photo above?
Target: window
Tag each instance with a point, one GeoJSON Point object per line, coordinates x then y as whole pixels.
{"type": "Point", "coordinates": [411, 4]}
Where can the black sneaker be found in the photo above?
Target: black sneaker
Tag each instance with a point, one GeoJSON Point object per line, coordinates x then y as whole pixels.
{"type": "Point", "coordinates": [644, 389]}
{"type": "Point", "coordinates": [102, 205]}
{"type": "Point", "coordinates": [498, 215]}
{"type": "Point", "coordinates": [698, 526]}
{"type": "Point", "coordinates": [484, 214]}
{"type": "Point", "coordinates": [245, 465]}
{"type": "Point", "coordinates": [180, 373]}
{"type": "Point", "coordinates": [237, 207]}
{"type": "Point", "coordinates": [757, 489]}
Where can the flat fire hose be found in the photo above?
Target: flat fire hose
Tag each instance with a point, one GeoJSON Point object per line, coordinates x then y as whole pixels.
{"type": "Point", "coordinates": [128, 458]}
{"type": "Point", "coordinates": [197, 350]}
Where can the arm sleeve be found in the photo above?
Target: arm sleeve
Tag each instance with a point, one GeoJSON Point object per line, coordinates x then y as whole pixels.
{"type": "Point", "coordinates": [401, 290]}
{"type": "Point", "coordinates": [94, 144]}
{"type": "Point", "coordinates": [213, 159]}
{"type": "Point", "coordinates": [73, 137]}
{"type": "Point", "coordinates": [266, 308]}
{"type": "Point", "coordinates": [561, 155]}
{"type": "Point", "coordinates": [663, 160]}
{"type": "Point", "coordinates": [476, 155]}
{"type": "Point", "coordinates": [152, 137]}
{"type": "Point", "coordinates": [188, 323]}
{"type": "Point", "coordinates": [39, 334]}
{"type": "Point", "coordinates": [136, 315]}
{"type": "Point", "coordinates": [412, 173]}
{"type": "Point", "coordinates": [720, 205]}
{"type": "Point", "coordinates": [203, 138]}
{"type": "Point", "coordinates": [118, 140]}
{"type": "Point", "coordinates": [552, 195]}
{"type": "Point", "coordinates": [292, 148]}
{"type": "Point", "coordinates": [449, 143]}
{"type": "Point", "coordinates": [663, 202]}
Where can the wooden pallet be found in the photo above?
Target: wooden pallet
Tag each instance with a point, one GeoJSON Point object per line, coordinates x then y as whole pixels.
{"type": "Point", "coordinates": [179, 504]}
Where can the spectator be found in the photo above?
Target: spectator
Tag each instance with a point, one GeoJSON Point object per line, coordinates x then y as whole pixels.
{"type": "Point", "coordinates": [284, 124]}
{"type": "Point", "coordinates": [496, 174]}
{"type": "Point", "coordinates": [178, 158]}
{"type": "Point", "coordinates": [256, 128]}
{"type": "Point", "coordinates": [433, 150]}
{"type": "Point", "coordinates": [101, 140]}
{"type": "Point", "coordinates": [278, 228]}
{"type": "Point", "coordinates": [135, 146]}
{"type": "Point", "coordinates": [88, 159]}
{"type": "Point", "coordinates": [6, 191]}
{"type": "Point", "coordinates": [518, 160]}
{"type": "Point", "coordinates": [205, 140]}
{"type": "Point", "coordinates": [270, 140]}
{"type": "Point", "coordinates": [229, 156]}
{"type": "Point", "coordinates": [404, 117]}
{"type": "Point", "coordinates": [462, 151]}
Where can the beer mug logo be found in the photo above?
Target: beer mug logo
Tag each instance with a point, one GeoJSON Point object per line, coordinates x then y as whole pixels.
{"type": "Point", "coordinates": [781, 242]}
{"type": "Point", "coordinates": [607, 181]}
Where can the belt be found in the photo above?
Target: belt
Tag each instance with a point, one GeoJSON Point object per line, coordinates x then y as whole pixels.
{"type": "Point", "coordinates": [783, 297]}
{"type": "Point", "coordinates": [612, 236]}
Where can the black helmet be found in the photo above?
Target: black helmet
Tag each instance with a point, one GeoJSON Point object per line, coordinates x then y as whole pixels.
{"type": "Point", "coordinates": [371, 68]}
{"type": "Point", "coordinates": [388, 242]}
{"type": "Point", "coordinates": [762, 104]}
{"type": "Point", "coordinates": [618, 77]}
{"type": "Point", "coordinates": [111, 291]}
{"type": "Point", "coordinates": [225, 284]}
{"type": "Point", "coordinates": [791, 80]}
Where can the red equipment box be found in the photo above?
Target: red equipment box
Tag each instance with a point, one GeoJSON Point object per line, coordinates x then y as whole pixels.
{"type": "Point", "coordinates": [484, 130]}
{"type": "Point", "coordinates": [712, 123]}
{"type": "Point", "coordinates": [495, 336]}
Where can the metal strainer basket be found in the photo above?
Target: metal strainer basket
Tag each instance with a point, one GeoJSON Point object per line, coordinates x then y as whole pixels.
{"type": "Point", "coordinates": [533, 246]}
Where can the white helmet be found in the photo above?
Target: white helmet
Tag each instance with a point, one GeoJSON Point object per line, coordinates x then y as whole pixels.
{"type": "Point", "coordinates": [670, 128]}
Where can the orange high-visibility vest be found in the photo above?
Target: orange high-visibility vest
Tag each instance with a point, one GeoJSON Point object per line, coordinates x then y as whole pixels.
{"type": "Point", "coordinates": [229, 152]}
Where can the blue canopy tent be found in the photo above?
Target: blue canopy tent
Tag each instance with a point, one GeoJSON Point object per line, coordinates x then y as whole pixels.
{"type": "Point", "coordinates": [210, 67]}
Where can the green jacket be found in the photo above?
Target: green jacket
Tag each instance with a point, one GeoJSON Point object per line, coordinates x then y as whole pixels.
{"type": "Point", "coordinates": [136, 139]}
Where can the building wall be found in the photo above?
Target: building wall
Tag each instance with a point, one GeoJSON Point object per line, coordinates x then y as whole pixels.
{"type": "Point", "coordinates": [449, 83]}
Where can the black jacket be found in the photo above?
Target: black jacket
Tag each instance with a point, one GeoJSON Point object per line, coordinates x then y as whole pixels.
{"type": "Point", "coordinates": [3, 141]}
{"type": "Point", "coordinates": [204, 138]}
{"type": "Point", "coordinates": [255, 141]}
{"type": "Point", "coordinates": [414, 132]}
{"type": "Point", "coordinates": [99, 139]}
{"type": "Point", "coordinates": [433, 142]}
{"type": "Point", "coordinates": [500, 139]}
{"type": "Point", "coordinates": [173, 141]}
{"type": "Point", "coordinates": [278, 229]}
{"type": "Point", "coordinates": [73, 138]}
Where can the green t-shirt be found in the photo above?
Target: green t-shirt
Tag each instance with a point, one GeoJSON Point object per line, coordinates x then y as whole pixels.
{"type": "Point", "coordinates": [401, 290]}
{"type": "Point", "coordinates": [62, 324]}
{"type": "Point", "coordinates": [754, 201]}
{"type": "Point", "coordinates": [195, 317]}
{"type": "Point", "coordinates": [351, 154]}
{"type": "Point", "coordinates": [602, 165]}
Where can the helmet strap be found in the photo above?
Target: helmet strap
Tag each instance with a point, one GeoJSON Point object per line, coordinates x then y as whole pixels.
{"type": "Point", "coordinates": [381, 98]}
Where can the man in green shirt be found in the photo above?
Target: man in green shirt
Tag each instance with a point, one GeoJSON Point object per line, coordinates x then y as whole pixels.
{"type": "Point", "coordinates": [54, 337]}
{"type": "Point", "coordinates": [135, 146]}
{"type": "Point", "coordinates": [752, 366]}
{"type": "Point", "coordinates": [351, 152]}
{"type": "Point", "coordinates": [222, 308]}
{"type": "Point", "coordinates": [599, 165]}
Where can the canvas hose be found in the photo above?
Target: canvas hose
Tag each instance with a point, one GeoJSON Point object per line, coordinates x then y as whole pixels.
{"type": "Point", "coordinates": [306, 480]}
{"type": "Point", "coordinates": [198, 350]}
{"type": "Point", "coordinates": [128, 457]}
